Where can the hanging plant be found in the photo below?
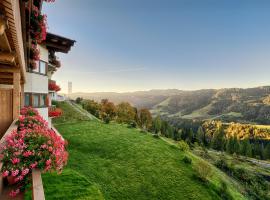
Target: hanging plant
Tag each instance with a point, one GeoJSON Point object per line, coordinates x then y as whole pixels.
{"type": "Point", "coordinates": [33, 64]}
{"type": "Point", "coordinates": [34, 52]}
{"type": "Point", "coordinates": [38, 25]}
{"type": "Point", "coordinates": [54, 87]}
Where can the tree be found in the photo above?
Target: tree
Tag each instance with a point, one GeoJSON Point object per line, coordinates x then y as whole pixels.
{"type": "Point", "coordinates": [79, 100]}
{"type": "Point", "coordinates": [125, 113]}
{"type": "Point", "coordinates": [108, 110]}
{"type": "Point", "coordinates": [245, 148]}
{"type": "Point", "coordinates": [230, 145]}
{"type": "Point", "coordinates": [218, 140]}
{"type": "Point", "coordinates": [92, 107]}
{"type": "Point", "coordinates": [266, 152]}
{"type": "Point", "coordinates": [145, 119]}
{"type": "Point", "coordinates": [201, 136]}
{"type": "Point", "coordinates": [157, 124]}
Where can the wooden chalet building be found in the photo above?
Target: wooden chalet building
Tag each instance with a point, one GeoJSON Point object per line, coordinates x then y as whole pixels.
{"type": "Point", "coordinates": [21, 84]}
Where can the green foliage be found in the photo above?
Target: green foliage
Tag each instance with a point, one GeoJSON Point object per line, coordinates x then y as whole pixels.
{"type": "Point", "coordinates": [125, 113]}
{"type": "Point", "coordinates": [107, 111]}
{"type": "Point", "coordinates": [183, 146]}
{"type": "Point", "coordinates": [132, 124]}
{"type": "Point", "coordinates": [218, 140]}
{"type": "Point", "coordinates": [79, 100]}
{"type": "Point", "coordinates": [266, 152]}
{"type": "Point", "coordinates": [92, 107]}
{"type": "Point", "coordinates": [145, 119]}
{"type": "Point", "coordinates": [223, 191]}
{"type": "Point", "coordinates": [157, 122]}
{"type": "Point", "coordinates": [203, 170]}
{"type": "Point", "coordinates": [187, 160]}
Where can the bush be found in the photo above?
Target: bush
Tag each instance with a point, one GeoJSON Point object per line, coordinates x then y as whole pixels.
{"type": "Point", "coordinates": [223, 191]}
{"type": "Point", "coordinates": [183, 146]}
{"type": "Point", "coordinates": [155, 136]}
{"type": "Point", "coordinates": [187, 160]}
{"type": "Point", "coordinates": [132, 125]}
{"type": "Point", "coordinates": [143, 131]}
{"type": "Point", "coordinates": [223, 164]}
{"type": "Point", "coordinates": [203, 171]}
{"type": "Point", "coordinates": [107, 120]}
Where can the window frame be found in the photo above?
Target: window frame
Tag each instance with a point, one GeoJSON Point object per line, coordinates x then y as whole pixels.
{"type": "Point", "coordinates": [31, 102]}
{"type": "Point", "coordinates": [38, 68]}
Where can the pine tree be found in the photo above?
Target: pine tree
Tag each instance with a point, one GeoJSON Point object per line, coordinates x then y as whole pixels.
{"type": "Point", "coordinates": [230, 145]}
{"type": "Point", "coordinates": [218, 140]}
{"type": "Point", "coordinates": [157, 124]}
{"type": "Point", "coordinates": [201, 136]}
{"type": "Point", "coordinates": [266, 152]}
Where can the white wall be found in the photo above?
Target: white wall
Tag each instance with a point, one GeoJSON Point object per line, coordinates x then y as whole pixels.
{"type": "Point", "coordinates": [44, 54]}
{"type": "Point", "coordinates": [44, 113]}
{"type": "Point", "coordinates": [36, 83]}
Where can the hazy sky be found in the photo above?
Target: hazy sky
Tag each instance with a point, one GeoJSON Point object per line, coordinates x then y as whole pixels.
{"type": "Point", "coordinates": [128, 45]}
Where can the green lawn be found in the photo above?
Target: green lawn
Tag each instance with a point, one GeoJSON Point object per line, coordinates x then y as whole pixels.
{"type": "Point", "coordinates": [115, 162]}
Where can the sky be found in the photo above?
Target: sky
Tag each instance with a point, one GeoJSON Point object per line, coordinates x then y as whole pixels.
{"type": "Point", "coordinates": [131, 45]}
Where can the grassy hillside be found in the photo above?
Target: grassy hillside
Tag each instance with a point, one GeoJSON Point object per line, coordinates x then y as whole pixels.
{"type": "Point", "coordinates": [115, 162]}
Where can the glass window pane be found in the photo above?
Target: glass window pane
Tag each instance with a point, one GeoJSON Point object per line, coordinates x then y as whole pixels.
{"type": "Point", "coordinates": [26, 99]}
{"type": "Point", "coordinates": [42, 67]}
{"type": "Point", "coordinates": [35, 100]}
{"type": "Point", "coordinates": [43, 100]}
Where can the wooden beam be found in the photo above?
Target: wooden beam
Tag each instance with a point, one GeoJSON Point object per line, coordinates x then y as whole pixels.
{"type": "Point", "coordinates": [16, 94]}
{"type": "Point", "coordinates": [6, 57]}
{"type": "Point", "coordinates": [9, 68]}
{"type": "Point", "coordinates": [3, 25]}
{"type": "Point", "coordinates": [2, 75]}
{"type": "Point", "coordinates": [6, 81]}
{"type": "Point", "coordinates": [4, 43]}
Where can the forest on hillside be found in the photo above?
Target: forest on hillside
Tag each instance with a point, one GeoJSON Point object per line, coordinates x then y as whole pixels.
{"type": "Point", "coordinates": [251, 105]}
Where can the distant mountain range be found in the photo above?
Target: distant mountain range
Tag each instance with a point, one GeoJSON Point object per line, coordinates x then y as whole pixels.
{"type": "Point", "coordinates": [250, 105]}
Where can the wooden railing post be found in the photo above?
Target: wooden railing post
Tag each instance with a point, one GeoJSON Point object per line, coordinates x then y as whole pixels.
{"type": "Point", "coordinates": [38, 191]}
{"type": "Point", "coordinates": [1, 179]}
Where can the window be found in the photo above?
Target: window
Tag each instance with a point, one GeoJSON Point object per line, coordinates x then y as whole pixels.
{"type": "Point", "coordinates": [35, 100]}
{"type": "Point", "coordinates": [27, 99]}
{"type": "Point", "coordinates": [42, 102]}
{"type": "Point", "coordinates": [41, 68]}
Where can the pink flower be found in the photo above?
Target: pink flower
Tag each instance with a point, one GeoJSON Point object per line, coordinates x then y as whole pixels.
{"type": "Point", "coordinates": [13, 193]}
{"type": "Point", "coordinates": [32, 166]}
{"type": "Point", "coordinates": [25, 171]}
{"type": "Point", "coordinates": [50, 149]}
{"type": "Point", "coordinates": [15, 172]}
{"type": "Point", "coordinates": [15, 161]}
{"type": "Point", "coordinates": [27, 153]}
{"type": "Point", "coordinates": [48, 162]}
{"type": "Point", "coordinates": [5, 173]}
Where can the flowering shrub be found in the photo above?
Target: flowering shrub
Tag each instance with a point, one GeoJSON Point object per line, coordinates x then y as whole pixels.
{"type": "Point", "coordinates": [38, 25]}
{"type": "Point", "coordinates": [33, 64]}
{"type": "Point", "coordinates": [32, 146]}
{"type": "Point", "coordinates": [34, 52]}
{"type": "Point", "coordinates": [31, 122]}
{"type": "Point", "coordinates": [54, 87]}
{"type": "Point", "coordinates": [57, 63]}
{"type": "Point", "coordinates": [29, 111]}
{"type": "Point", "coordinates": [55, 113]}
